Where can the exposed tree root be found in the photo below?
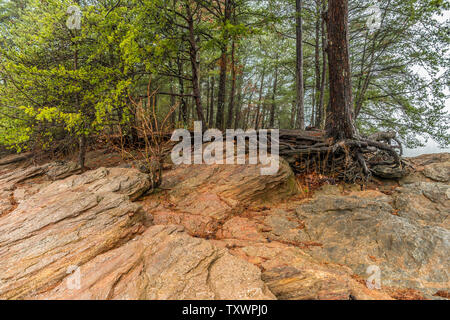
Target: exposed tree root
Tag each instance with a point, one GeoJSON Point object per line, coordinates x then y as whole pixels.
{"type": "Point", "coordinates": [387, 137]}
{"type": "Point", "coordinates": [354, 160]}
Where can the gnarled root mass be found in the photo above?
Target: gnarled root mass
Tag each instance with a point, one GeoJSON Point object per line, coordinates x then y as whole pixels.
{"type": "Point", "coordinates": [353, 160]}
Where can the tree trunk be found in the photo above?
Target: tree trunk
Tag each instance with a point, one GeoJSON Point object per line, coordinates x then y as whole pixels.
{"type": "Point", "coordinates": [315, 117]}
{"type": "Point", "coordinates": [233, 87]}
{"type": "Point", "coordinates": [208, 98]}
{"type": "Point", "coordinates": [211, 103]}
{"type": "Point", "coordinates": [195, 64]}
{"type": "Point", "coordinates": [339, 123]}
{"type": "Point", "coordinates": [264, 109]}
{"type": "Point", "coordinates": [246, 116]}
{"type": "Point", "coordinates": [133, 128]}
{"type": "Point", "coordinates": [222, 89]}
{"type": "Point", "coordinates": [172, 104]}
{"type": "Point", "coordinates": [321, 110]}
{"type": "Point", "coordinates": [182, 116]}
{"type": "Point", "coordinates": [299, 67]}
{"type": "Point", "coordinates": [274, 95]}
{"type": "Point", "coordinates": [247, 111]}
{"type": "Point", "coordinates": [258, 108]}
{"type": "Point", "coordinates": [237, 117]}
{"type": "Point", "coordinates": [293, 112]}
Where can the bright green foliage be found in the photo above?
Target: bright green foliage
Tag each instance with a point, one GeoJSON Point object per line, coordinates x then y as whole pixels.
{"type": "Point", "coordinates": [400, 72]}
{"type": "Point", "coordinates": [46, 95]}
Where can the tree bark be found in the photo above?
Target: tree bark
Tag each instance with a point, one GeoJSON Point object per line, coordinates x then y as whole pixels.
{"type": "Point", "coordinates": [258, 108]}
{"type": "Point", "coordinates": [315, 115]}
{"type": "Point", "coordinates": [172, 104]}
{"type": "Point", "coordinates": [247, 111]}
{"type": "Point", "coordinates": [339, 123]}
{"type": "Point", "coordinates": [264, 109]}
{"type": "Point", "coordinates": [208, 98]}
{"type": "Point", "coordinates": [223, 67]}
{"type": "Point", "coordinates": [182, 115]}
{"type": "Point", "coordinates": [321, 107]}
{"type": "Point", "coordinates": [299, 67]}
{"type": "Point", "coordinates": [237, 118]}
{"type": "Point", "coordinates": [274, 95]}
{"type": "Point", "coordinates": [211, 103]}
{"type": "Point", "coordinates": [233, 87]}
{"type": "Point", "coordinates": [222, 89]}
{"type": "Point", "coordinates": [195, 64]}
{"type": "Point", "coordinates": [293, 112]}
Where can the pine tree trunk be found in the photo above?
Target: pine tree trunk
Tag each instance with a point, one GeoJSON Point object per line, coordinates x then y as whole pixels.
{"type": "Point", "coordinates": [293, 112]}
{"type": "Point", "coordinates": [172, 104]}
{"type": "Point", "coordinates": [316, 115]}
{"type": "Point", "coordinates": [195, 64]}
{"type": "Point", "coordinates": [258, 108]}
{"type": "Point", "coordinates": [222, 89]}
{"type": "Point", "coordinates": [339, 123]}
{"type": "Point", "coordinates": [247, 123]}
{"type": "Point", "coordinates": [208, 98]}
{"type": "Point", "coordinates": [264, 109]}
{"type": "Point", "coordinates": [233, 87]}
{"type": "Point", "coordinates": [211, 103]}
{"type": "Point", "coordinates": [274, 95]}
{"type": "Point", "coordinates": [182, 116]}
{"type": "Point", "coordinates": [237, 118]}
{"type": "Point", "coordinates": [227, 5]}
{"type": "Point", "coordinates": [299, 68]}
{"type": "Point", "coordinates": [321, 107]}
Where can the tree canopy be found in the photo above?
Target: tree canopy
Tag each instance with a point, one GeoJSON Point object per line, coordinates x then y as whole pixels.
{"type": "Point", "coordinates": [228, 63]}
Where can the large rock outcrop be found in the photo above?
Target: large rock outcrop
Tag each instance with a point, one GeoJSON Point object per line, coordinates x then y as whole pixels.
{"type": "Point", "coordinates": [165, 263]}
{"type": "Point", "coordinates": [427, 203]}
{"type": "Point", "coordinates": [68, 222]}
{"type": "Point", "coordinates": [231, 206]}
{"type": "Point", "coordinates": [405, 233]}
{"type": "Point", "coordinates": [321, 248]}
{"type": "Point", "coordinates": [218, 232]}
{"type": "Point", "coordinates": [203, 197]}
{"type": "Point", "coordinates": [363, 229]}
{"type": "Point", "coordinates": [89, 223]}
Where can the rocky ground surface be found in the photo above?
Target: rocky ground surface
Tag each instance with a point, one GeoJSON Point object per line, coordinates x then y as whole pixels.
{"type": "Point", "coordinates": [219, 232]}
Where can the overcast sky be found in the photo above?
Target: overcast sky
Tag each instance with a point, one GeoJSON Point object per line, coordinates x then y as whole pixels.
{"type": "Point", "coordinates": [432, 146]}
